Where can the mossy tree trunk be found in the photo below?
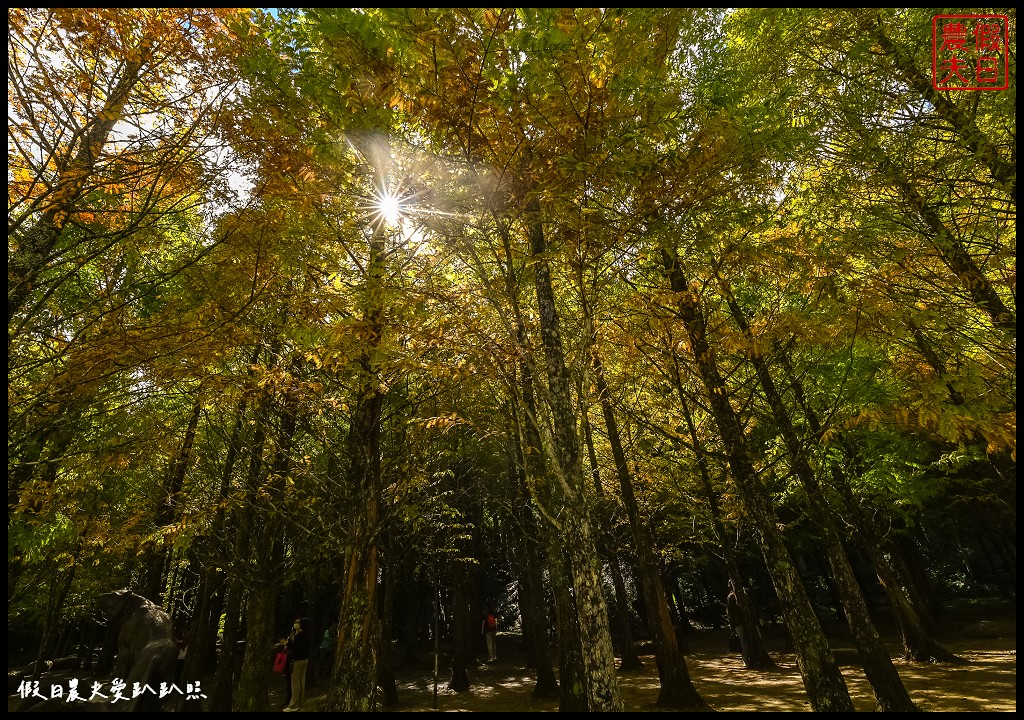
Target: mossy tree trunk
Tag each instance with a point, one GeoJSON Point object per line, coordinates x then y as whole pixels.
{"type": "Point", "coordinates": [601, 683]}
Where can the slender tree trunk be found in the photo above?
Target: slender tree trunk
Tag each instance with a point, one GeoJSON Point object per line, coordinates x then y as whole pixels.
{"type": "Point", "coordinates": [885, 682]}
{"type": "Point", "coordinates": [918, 642]}
{"type": "Point", "coordinates": [592, 613]}
{"type": "Point", "coordinates": [461, 617]}
{"type": "Point", "coordinates": [152, 584]}
{"type": "Point", "coordinates": [825, 686]}
{"type": "Point", "coordinates": [260, 613]}
{"type": "Point", "coordinates": [386, 665]}
{"type": "Point", "coordinates": [540, 541]}
{"type": "Point", "coordinates": [354, 678]}
{"type": "Point", "coordinates": [570, 684]}
{"type": "Point", "coordinates": [265, 571]}
{"type": "Point", "coordinates": [59, 589]}
{"type": "Point", "coordinates": [532, 599]}
{"type": "Point", "coordinates": [630, 656]}
{"type": "Point", "coordinates": [203, 633]}
{"type": "Point", "coordinates": [756, 656]}
{"type": "Point", "coordinates": [677, 690]}
{"type": "Point", "coordinates": [224, 680]}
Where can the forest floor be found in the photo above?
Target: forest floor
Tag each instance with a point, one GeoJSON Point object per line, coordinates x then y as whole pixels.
{"type": "Point", "coordinates": [984, 633]}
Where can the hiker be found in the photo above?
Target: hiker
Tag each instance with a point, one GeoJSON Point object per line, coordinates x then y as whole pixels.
{"type": "Point", "coordinates": [489, 628]}
{"type": "Point", "coordinates": [298, 648]}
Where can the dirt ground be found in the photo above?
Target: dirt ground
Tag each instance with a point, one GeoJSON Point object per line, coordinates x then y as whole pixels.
{"type": "Point", "coordinates": [982, 633]}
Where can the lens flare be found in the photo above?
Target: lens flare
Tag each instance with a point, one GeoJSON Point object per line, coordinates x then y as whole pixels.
{"type": "Point", "coordinates": [389, 206]}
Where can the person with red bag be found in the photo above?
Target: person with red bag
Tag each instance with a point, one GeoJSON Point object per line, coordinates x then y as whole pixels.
{"type": "Point", "coordinates": [283, 665]}
{"type": "Point", "coordinates": [298, 651]}
{"type": "Point", "coordinates": [489, 628]}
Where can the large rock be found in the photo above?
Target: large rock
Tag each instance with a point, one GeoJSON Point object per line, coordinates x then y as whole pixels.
{"type": "Point", "coordinates": [146, 652]}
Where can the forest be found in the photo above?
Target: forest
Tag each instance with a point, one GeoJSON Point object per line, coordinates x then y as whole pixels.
{"type": "Point", "coordinates": [380, 317]}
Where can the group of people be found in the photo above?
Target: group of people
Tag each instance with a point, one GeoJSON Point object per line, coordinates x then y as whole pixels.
{"type": "Point", "coordinates": [298, 648]}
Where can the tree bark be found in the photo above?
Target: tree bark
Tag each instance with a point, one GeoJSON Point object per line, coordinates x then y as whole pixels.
{"type": "Point", "coordinates": [677, 690]}
{"type": "Point", "coordinates": [885, 682]}
{"type": "Point", "coordinates": [532, 599]}
{"type": "Point", "coordinates": [756, 656]}
{"type": "Point", "coordinates": [825, 686]}
{"type": "Point", "coordinates": [153, 581]}
{"type": "Point", "coordinates": [224, 680]}
{"type": "Point", "coordinates": [630, 656]}
{"type": "Point", "coordinates": [354, 678]}
{"type": "Point", "coordinates": [203, 632]}
{"type": "Point", "coordinates": [386, 665]}
{"type": "Point", "coordinates": [265, 570]}
{"type": "Point", "coordinates": [602, 686]}
{"type": "Point", "coordinates": [461, 617]}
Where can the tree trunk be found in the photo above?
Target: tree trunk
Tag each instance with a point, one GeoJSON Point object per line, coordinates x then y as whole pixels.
{"type": "Point", "coordinates": [825, 686]}
{"type": "Point", "coordinates": [354, 679]}
{"type": "Point", "coordinates": [153, 583]}
{"type": "Point", "coordinates": [54, 611]}
{"type": "Point", "coordinates": [572, 682]}
{"type": "Point", "coordinates": [570, 685]}
{"type": "Point", "coordinates": [224, 680]}
{"type": "Point", "coordinates": [918, 642]}
{"type": "Point", "coordinates": [386, 665]}
{"type": "Point", "coordinates": [885, 682]}
{"type": "Point", "coordinates": [461, 618]}
{"type": "Point", "coordinates": [260, 617]}
{"type": "Point", "coordinates": [534, 488]}
{"type": "Point", "coordinates": [602, 686]}
{"type": "Point", "coordinates": [630, 656]}
{"type": "Point", "coordinates": [756, 656]}
{"type": "Point", "coordinates": [203, 633]}
{"type": "Point", "coordinates": [532, 602]}
{"type": "Point", "coordinates": [677, 690]}
{"type": "Point", "coordinates": [266, 566]}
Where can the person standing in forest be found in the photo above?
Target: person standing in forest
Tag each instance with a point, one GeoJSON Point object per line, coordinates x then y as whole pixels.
{"type": "Point", "coordinates": [282, 646]}
{"type": "Point", "coordinates": [489, 628]}
{"type": "Point", "coordinates": [732, 607]}
{"type": "Point", "coordinates": [326, 655]}
{"type": "Point", "coordinates": [298, 650]}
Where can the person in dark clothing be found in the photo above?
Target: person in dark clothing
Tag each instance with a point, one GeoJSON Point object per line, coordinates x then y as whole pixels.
{"type": "Point", "coordinates": [298, 650]}
{"type": "Point", "coordinates": [732, 607]}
